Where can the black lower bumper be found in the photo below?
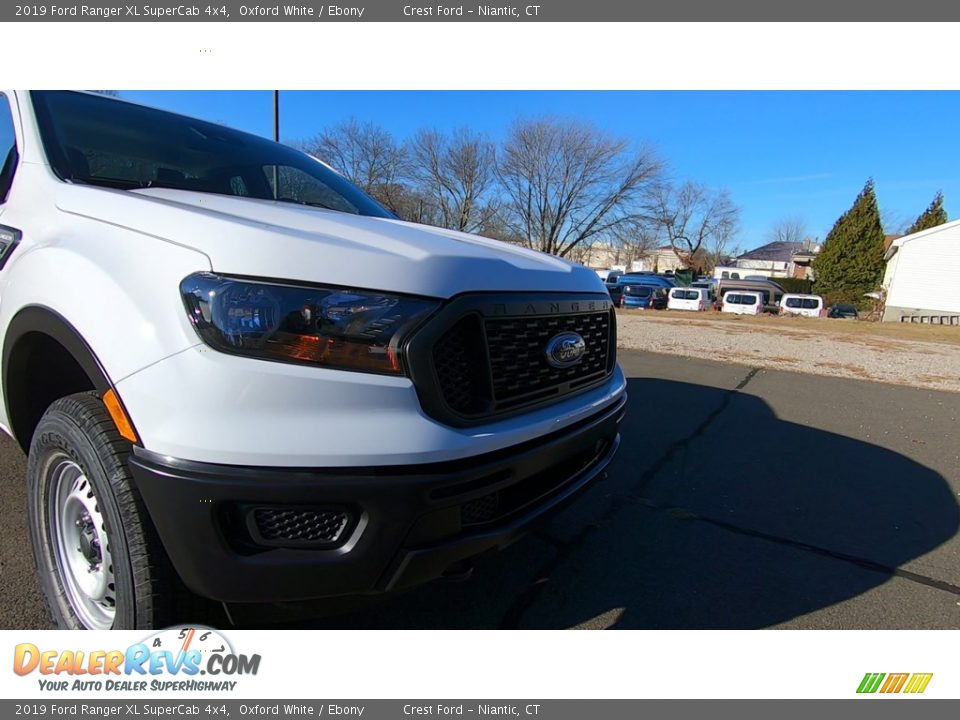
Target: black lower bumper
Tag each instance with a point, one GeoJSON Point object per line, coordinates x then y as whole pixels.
{"type": "Point", "coordinates": [404, 525]}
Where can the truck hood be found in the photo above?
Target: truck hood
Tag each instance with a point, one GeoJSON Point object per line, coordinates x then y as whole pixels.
{"type": "Point", "coordinates": [264, 238]}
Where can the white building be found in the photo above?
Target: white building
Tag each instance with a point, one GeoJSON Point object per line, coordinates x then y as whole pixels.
{"type": "Point", "coordinates": [922, 278]}
{"type": "Point", "coordinates": [603, 256]}
{"type": "Point", "coordinates": [662, 259]}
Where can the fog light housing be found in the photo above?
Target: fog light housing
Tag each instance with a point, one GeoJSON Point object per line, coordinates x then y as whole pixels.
{"type": "Point", "coordinates": [293, 526]}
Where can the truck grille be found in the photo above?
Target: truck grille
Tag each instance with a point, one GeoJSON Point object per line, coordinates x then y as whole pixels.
{"type": "Point", "coordinates": [487, 366]}
{"type": "Point", "coordinates": [517, 359]}
{"type": "Point", "coordinates": [463, 380]}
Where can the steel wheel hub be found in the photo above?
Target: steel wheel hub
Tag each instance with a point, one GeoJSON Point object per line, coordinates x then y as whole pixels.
{"type": "Point", "coordinates": [81, 546]}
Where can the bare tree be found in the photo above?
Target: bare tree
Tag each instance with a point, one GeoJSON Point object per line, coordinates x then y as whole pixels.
{"type": "Point", "coordinates": [457, 173]}
{"type": "Point", "coordinates": [695, 219]}
{"type": "Point", "coordinates": [894, 223]}
{"type": "Point", "coordinates": [720, 248]}
{"type": "Point", "coordinates": [791, 229]}
{"type": "Point", "coordinates": [367, 155]}
{"type": "Point", "coordinates": [566, 183]}
{"type": "Point", "coordinates": [583, 253]}
{"type": "Point", "coordinates": [633, 240]}
{"type": "Point", "coordinates": [409, 203]}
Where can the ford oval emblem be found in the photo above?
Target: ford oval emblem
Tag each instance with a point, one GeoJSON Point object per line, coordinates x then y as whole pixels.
{"type": "Point", "coordinates": [565, 350]}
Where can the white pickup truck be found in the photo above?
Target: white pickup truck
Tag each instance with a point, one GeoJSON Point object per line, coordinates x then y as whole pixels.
{"type": "Point", "coordinates": [235, 373]}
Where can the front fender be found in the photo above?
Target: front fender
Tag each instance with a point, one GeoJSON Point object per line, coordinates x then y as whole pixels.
{"type": "Point", "coordinates": [109, 294]}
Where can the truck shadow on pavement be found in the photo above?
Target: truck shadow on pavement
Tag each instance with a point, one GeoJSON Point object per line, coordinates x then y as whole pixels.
{"type": "Point", "coordinates": [746, 521]}
{"type": "Point", "coordinates": [714, 514]}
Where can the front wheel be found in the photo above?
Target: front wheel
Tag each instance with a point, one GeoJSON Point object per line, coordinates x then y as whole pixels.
{"type": "Point", "coordinates": [99, 560]}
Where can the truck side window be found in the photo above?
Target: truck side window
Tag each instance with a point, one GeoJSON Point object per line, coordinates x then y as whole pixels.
{"type": "Point", "coordinates": [8, 148]}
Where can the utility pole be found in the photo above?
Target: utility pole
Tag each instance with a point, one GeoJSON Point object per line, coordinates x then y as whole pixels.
{"type": "Point", "coordinates": [276, 138]}
{"type": "Point", "coordinates": [276, 116]}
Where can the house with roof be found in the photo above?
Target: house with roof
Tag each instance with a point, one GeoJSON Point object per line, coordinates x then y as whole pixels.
{"type": "Point", "coordinates": [775, 259]}
{"type": "Point", "coordinates": [771, 260]}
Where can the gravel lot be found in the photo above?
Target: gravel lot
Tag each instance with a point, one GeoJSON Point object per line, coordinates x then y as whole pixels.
{"type": "Point", "coordinates": [867, 351]}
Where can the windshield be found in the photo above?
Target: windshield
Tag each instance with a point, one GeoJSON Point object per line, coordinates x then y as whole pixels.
{"type": "Point", "coordinates": [99, 141]}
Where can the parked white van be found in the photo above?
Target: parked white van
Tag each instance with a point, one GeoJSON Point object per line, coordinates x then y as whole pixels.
{"type": "Point", "coordinates": [805, 305]}
{"type": "Point", "coordinates": [743, 302]}
{"type": "Point", "coordinates": [688, 298]}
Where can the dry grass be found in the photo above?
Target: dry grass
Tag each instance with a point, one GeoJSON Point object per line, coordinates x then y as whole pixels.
{"type": "Point", "coordinates": [847, 368]}
{"type": "Point", "coordinates": [874, 334]}
{"type": "Point", "coordinates": [934, 379]}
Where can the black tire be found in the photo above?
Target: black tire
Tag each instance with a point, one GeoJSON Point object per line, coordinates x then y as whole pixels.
{"type": "Point", "coordinates": [77, 432]}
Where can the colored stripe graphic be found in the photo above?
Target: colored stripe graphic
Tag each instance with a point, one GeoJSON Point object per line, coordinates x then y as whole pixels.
{"type": "Point", "coordinates": [918, 682]}
{"type": "Point", "coordinates": [894, 683]}
{"type": "Point", "coordinates": [870, 682]}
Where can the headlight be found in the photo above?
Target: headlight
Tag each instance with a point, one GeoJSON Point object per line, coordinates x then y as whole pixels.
{"type": "Point", "coordinates": [331, 327]}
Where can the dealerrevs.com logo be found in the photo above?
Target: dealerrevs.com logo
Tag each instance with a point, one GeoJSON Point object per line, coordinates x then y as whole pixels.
{"type": "Point", "coordinates": [184, 653]}
{"type": "Point", "coordinates": [892, 683]}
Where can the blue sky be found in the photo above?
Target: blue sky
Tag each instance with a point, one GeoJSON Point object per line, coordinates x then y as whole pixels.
{"type": "Point", "coordinates": [804, 154]}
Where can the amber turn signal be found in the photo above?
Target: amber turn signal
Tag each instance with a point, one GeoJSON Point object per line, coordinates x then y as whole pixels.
{"type": "Point", "coordinates": [119, 416]}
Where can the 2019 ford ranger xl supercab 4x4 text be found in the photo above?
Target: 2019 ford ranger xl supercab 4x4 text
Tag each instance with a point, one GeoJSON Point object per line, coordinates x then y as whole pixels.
{"type": "Point", "coordinates": [233, 371]}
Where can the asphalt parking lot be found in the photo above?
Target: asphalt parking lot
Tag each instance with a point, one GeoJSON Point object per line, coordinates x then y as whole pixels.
{"type": "Point", "coordinates": [740, 498]}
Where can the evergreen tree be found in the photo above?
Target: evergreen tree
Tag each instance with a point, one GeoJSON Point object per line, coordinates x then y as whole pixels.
{"type": "Point", "coordinates": [851, 262]}
{"type": "Point", "coordinates": [931, 217]}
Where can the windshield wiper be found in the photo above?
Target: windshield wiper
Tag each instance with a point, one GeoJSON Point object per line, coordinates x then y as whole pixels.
{"type": "Point", "coordinates": [115, 183]}
{"type": "Point", "coordinates": [306, 203]}
{"type": "Point", "coordinates": [124, 184]}
{"type": "Point", "coordinates": [151, 184]}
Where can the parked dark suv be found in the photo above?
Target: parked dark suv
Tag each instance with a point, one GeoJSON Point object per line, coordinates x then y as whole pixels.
{"type": "Point", "coordinates": [649, 279]}
{"type": "Point", "coordinates": [844, 312]}
{"type": "Point", "coordinates": [644, 297]}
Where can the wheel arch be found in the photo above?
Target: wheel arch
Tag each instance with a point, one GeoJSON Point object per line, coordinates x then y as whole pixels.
{"type": "Point", "coordinates": [44, 358]}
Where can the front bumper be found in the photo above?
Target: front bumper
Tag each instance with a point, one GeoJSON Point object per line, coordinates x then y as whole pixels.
{"type": "Point", "coordinates": [409, 524]}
